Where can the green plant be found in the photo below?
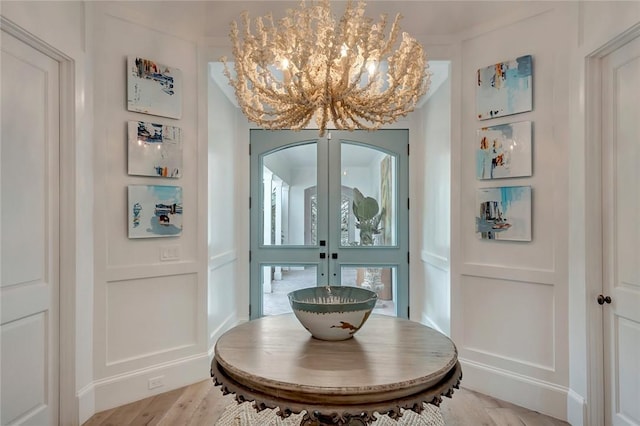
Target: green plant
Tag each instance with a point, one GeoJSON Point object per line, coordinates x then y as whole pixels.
{"type": "Point", "coordinates": [368, 214]}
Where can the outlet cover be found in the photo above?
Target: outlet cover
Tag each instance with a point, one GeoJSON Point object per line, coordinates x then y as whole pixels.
{"type": "Point", "coordinates": [169, 253]}
{"type": "Point", "coordinates": [156, 382]}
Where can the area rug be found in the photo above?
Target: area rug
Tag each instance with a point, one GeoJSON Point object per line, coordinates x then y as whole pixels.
{"type": "Point", "coordinates": [245, 415]}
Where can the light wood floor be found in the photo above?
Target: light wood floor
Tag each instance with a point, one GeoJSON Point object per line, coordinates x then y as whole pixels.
{"type": "Point", "coordinates": [202, 404]}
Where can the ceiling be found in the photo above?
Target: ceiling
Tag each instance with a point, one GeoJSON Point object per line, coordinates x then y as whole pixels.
{"type": "Point", "coordinates": [420, 17]}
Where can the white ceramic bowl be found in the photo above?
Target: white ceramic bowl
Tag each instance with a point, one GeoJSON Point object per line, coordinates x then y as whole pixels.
{"type": "Point", "coordinates": [332, 312]}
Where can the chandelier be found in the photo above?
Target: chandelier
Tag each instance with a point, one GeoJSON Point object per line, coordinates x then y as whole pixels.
{"type": "Point", "coordinates": [308, 65]}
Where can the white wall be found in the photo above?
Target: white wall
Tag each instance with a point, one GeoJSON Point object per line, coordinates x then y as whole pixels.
{"type": "Point", "coordinates": [150, 316]}
{"type": "Point", "coordinates": [222, 206]}
{"type": "Point", "coordinates": [432, 299]}
{"type": "Point", "coordinates": [509, 299]}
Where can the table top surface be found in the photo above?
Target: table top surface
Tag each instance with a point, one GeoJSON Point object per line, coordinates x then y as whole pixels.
{"type": "Point", "coordinates": [388, 357]}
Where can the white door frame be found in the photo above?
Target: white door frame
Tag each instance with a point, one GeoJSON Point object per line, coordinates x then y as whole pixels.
{"type": "Point", "coordinates": [593, 222]}
{"type": "Point", "coordinates": [68, 404]}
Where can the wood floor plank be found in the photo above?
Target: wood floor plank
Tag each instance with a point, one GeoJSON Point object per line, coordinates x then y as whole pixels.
{"type": "Point", "coordinates": [504, 417]}
{"type": "Point", "coordinates": [183, 410]}
{"type": "Point", "coordinates": [98, 418]}
{"type": "Point", "coordinates": [532, 418]}
{"type": "Point", "coordinates": [464, 410]}
{"type": "Point", "coordinates": [125, 414]}
{"type": "Point", "coordinates": [202, 404]}
{"type": "Point", "coordinates": [157, 408]}
{"type": "Point", "coordinates": [211, 407]}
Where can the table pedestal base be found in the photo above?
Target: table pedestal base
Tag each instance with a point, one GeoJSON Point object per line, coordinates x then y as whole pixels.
{"type": "Point", "coordinates": [335, 413]}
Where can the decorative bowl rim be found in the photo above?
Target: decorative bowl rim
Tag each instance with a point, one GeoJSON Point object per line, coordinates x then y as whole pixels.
{"type": "Point", "coordinates": [366, 302]}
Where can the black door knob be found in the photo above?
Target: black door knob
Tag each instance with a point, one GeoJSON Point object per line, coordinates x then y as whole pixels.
{"type": "Point", "coordinates": [602, 299]}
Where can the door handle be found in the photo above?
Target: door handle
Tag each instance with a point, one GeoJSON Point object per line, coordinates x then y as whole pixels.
{"type": "Point", "coordinates": [323, 255]}
{"type": "Point", "coordinates": [602, 299]}
{"type": "Point", "coordinates": [334, 255]}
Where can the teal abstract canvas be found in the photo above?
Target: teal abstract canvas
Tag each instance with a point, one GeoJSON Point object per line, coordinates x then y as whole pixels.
{"type": "Point", "coordinates": [505, 88]}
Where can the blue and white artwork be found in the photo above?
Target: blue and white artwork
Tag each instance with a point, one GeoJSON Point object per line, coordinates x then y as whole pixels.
{"type": "Point", "coordinates": [155, 211]}
{"type": "Point", "coordinates": [505, 88]}
{"type": "Point", "coordinates": [154, 149]}
{"type": "Point", "coordinates": [153, 88]}
{"type": "Point", "coordinates": [504, 213]}
{"type": "Point", "coordinates": [504, 151]}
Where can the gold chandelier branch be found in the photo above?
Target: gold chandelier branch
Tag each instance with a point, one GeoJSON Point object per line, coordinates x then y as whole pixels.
{"type": "Point", "coordinates": [307, 66]}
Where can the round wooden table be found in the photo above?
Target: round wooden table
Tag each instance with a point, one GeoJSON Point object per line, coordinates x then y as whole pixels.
{"type": "Point", "coordinates": [389, 365]}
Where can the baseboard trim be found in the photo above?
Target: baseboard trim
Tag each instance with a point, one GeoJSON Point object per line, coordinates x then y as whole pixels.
{"type": "Point", "coordinates": [527, 392]}
{"type": "Point", "coordinates": [86, 399]}
{"type": "Point", "coordinates": [576, 409]}
{"type": "Point", "coordinates": [122, 389]}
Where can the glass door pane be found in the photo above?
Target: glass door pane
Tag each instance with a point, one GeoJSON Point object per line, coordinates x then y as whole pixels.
{"type": "Point", "coordinates": [382, 280]}
{"type": "Point", "coordinates": [327, 211]}
{"type": "Point", "coordinates": [368, 196]}
{"type": "Point", "coordinates": [282, 280]}
{"type": "Point", "coordinates": [289, 194]}
{"type": "Point", "coordinates": [368, 215]}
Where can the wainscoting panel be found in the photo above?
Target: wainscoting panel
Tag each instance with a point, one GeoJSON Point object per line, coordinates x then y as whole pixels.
{"type": "Point", "coordinates": [509, 319]}
{"type": "Point", "coordinates": [24, 336]}
{"type": "Point", "coordinates": [150, 316]}
{"type": "Point", "coordinates": [221, 308]}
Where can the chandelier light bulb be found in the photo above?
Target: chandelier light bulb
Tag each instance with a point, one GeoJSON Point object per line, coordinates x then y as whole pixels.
{"type": "Point", "coordinates": [309, 65]}
{"type": "Point", "coordinates": [371, 67]}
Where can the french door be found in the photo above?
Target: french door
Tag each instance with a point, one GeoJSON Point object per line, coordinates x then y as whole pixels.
{"type": "Point", "coordinates": [329, 211]}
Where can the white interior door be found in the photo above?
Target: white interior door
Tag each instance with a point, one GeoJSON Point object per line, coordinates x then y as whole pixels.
{"type": "Point", "coordinates": [621, 233]}
{"type": "Point", "coordinates": [29, 228]}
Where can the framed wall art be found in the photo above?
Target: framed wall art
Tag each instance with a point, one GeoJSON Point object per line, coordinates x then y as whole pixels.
{"type": "Point", "coordinates": [504, 213]}
{"type": "Point", "coordinates": [153, 88]}
{"type": "Point", "coordinates": [504, 151]}
{"type": "Point", "coordinates": [154, 149]}
{"type": "Point", "coordinates": [505, 88]}
{"type": "Point", "coordinates": [154, 211]}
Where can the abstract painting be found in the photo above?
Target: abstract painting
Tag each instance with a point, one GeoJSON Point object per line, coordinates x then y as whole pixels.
{"type": "Point", "coordinates": [504, 213]}
{"type": "Point", "coordinates": [155, 211]}
{"type": "Point", "coordinates": [153, 88]}
{"type": "Point", "coordinates": [155, 149]}
{"type": "Point", "coordinates": [504, 151]}
{"type": "Point", "coordinates": [505, 88]}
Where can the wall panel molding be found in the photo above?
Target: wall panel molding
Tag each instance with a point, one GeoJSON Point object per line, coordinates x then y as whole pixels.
{"type": "Point", "coordinates": [528, 275]}
{"type": "Point", "coordinates": [514, 364]}
{"type": "Point", "coordinates": [510, 320]}
{"type": "Point", "coordinates": [435, 260]}
{"type": "Point", "coordinates": [153, 270]}
{"type": "Point", "coordinates": [149, 318]}
{"type": "Point", "coordinates": [219, 260]}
